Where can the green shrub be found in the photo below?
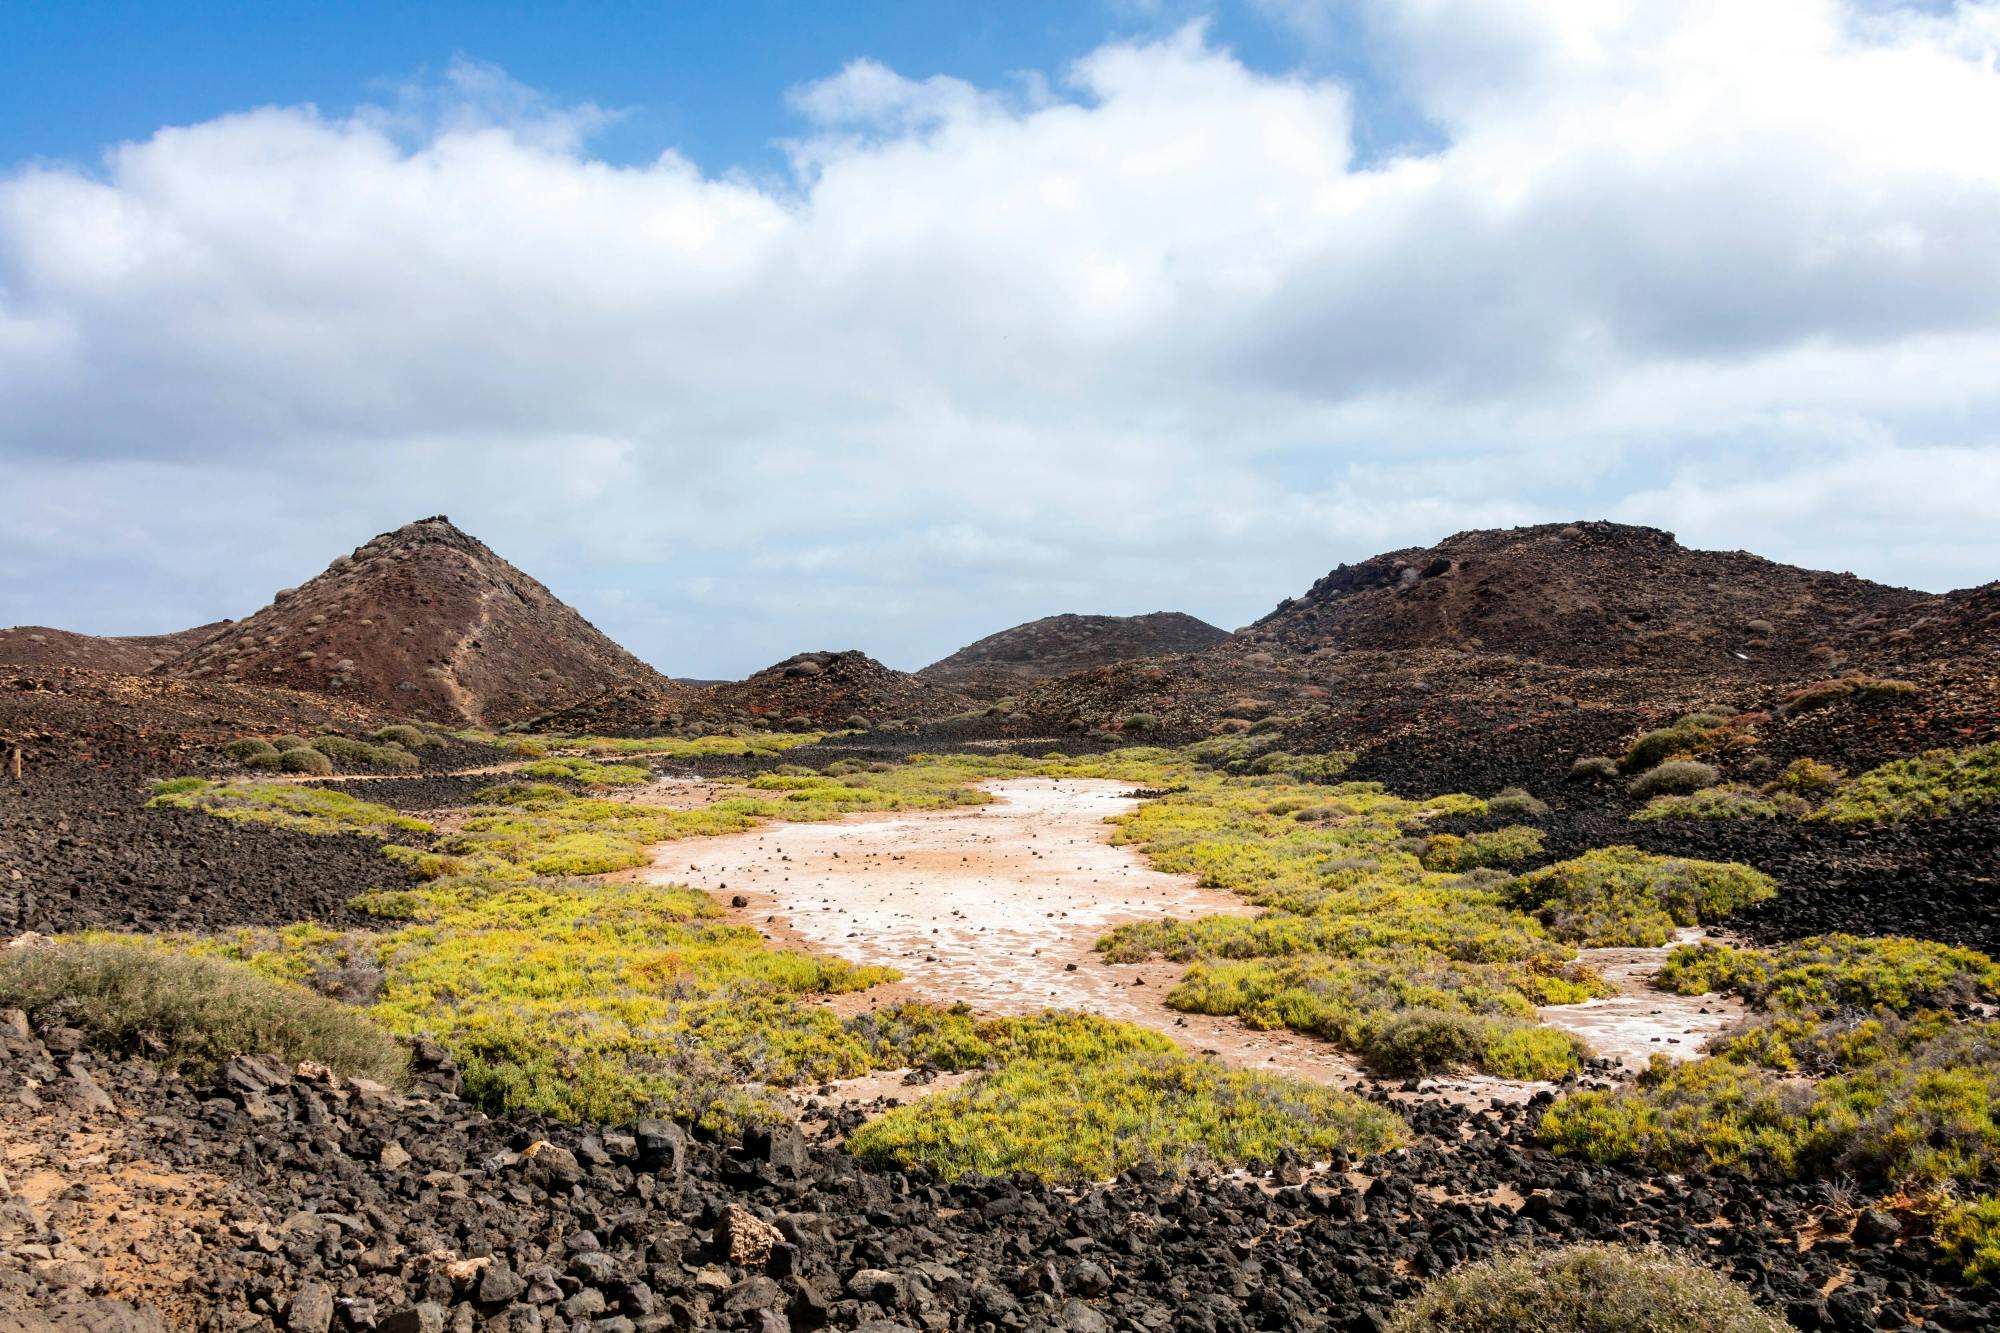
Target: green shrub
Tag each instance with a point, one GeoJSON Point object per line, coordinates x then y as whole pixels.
{"type": "Point", "coordinates": [1695, 734]}
{"type": "Point", "coordinates": [523, 748]}
{"type": "Point", "coordinates": [1935, 784]}
{"type": "Point", "coordinates": [1139, 722]}
{"type": "Point", "coordinates": [1083, 1123]}
{"type": "Point", "coordinates": [290, 742]}
{"type": "Point", "coordinates": [1969, 1235]}
{"type": "Point", "coordinates": [1828, 973]}
{"type": "Point", "coordinates": [1498, 847]}
{"type": "Point", "coordinates": [193, 1013]}
{"type": "Point", "coordinates": [1428, 1041]}
{"type": "Point", "coordinates": [1623, 896]}
{"type": "Point", "coordinates": [269, 763]}
{"type": "Point", "coordinates": [289, 805]}
{"type": "Point", "coordinates": [1723, 803]}
{"type": "Point", "coordinates": [303, 760]}
{"type": "Point", "coordinates": [248, 748]}
{"type": "Point", "coordinates": [1515, 803]}
{"type": "Point", "coordinates": [350, 753]}
{"type": "Point", "coordinates": [1674, 777]}
{"type": "Point", "coordinates": [588, 770]}
{"type": "Point", "coordinates": [1807, 775]}
{"type": "Point", "coordinates": [1583, 1289]}
{"type": "Point", "coordinates": [405, 735]}
{"type": "Point", "coordinates": [1596, 766]}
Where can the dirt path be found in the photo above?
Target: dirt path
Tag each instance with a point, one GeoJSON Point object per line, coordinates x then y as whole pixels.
{"type": "Point", "coordinates": [1000, 906]}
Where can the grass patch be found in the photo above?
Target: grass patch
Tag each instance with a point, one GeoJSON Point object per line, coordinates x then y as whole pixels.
{"type": "Point", "coordinates": [1931, 786]}
{"type": "Point", "coordinates": [1583, 1289]}
{"type": "Point", "coordinates": [284, 804]}
{"type": "Point", "coordinates": [191, 1013]}
{"type": "Point", "coordinates": [1080, 1123]}
{"type": "Point", "coordinates": [1621, 896]}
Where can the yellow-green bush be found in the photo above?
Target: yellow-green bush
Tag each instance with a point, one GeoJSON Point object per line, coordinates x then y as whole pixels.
{"type": "Point", "coordinates": [587, 770]}
{"type": "Point", "coordinates": [1084, 1122]}
{"type": "Point", "coordinates": [1969, 1235]}
{"type": "Point", "coordinates": [1935, 784]}
{"type": "Point", "coordinates": [308, 809]}
{"type": "Point", "coordinates": [1623, 896]}
{"type": "Point", "coordinates": [1496, 847]}
{"type": "Point", "coordinates": [1825, 973]}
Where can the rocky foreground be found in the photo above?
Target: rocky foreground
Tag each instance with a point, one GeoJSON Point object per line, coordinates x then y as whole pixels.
{"type": "Point", "coordinates": [291, 1199]}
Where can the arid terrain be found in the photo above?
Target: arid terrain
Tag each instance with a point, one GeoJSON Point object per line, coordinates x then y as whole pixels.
{"type": "Point", "coordinates": [1550, 886]}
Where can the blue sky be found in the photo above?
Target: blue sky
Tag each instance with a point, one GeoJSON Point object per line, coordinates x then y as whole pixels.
{"type": "Point", "coordinates": [708, 80]}
{"type": "Point", "coordinates": [755, 328]}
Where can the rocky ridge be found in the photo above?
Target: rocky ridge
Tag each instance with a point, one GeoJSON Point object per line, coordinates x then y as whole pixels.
{"type": "Point", "coordinates": [1002, 664]}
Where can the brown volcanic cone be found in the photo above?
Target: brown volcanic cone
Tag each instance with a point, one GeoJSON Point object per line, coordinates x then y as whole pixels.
{"type": "Point", "coordinates": [1580, 594]}
{"type": "Point", "coordinates": [1001, 663]}
{"type": "Point", "coordinates": [425, 621]}
{"type": "Point", "coordinates": [828, 688]}
{"type": "Point", "coordinates": [129, 654]}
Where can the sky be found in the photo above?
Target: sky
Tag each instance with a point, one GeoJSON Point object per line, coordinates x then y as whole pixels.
{"type": "Point", "coordinates": [760, 328]}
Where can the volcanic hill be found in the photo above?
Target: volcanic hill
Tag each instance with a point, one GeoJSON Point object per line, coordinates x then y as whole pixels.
{"type": "Point", "coordinates": [1581, 594]}
{"type": "Point", "coordinates": [425, 621]}
{"type": "Point", "coordinates": [129, 654]}
{"type": "Point", "coordinates": [826, 689]}
{"type": "Point", "coordinates": [1001, 663]}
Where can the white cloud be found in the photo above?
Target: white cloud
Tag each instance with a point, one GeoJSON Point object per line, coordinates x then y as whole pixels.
{"type": "Point", "coordinates": [1151, 339]}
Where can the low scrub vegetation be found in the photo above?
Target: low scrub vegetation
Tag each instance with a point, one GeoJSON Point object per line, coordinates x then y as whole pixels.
{"type": "Point", "coordinates": [1080, 1123]}
{"type": "Point", "coordinates": [1694, 735]}
{"type": "Point", "coordinates": [1390, 945]}
{"type": "Point", "coordinates": [349, 754]}
{"type": "Point", "coordinates": [1898, 1090]}
{"type": "Point", "coordinates": [1675, 777]}
{"type": "Point", "coordinates": [1930, 786]}
{"type": "Point", "coordinates": [1723, 803]}
{"type": "Point", "coordinates": [288, 805]}
{"type": "Point", "coordinates": [1825, 693]}
{"type": "Point", "coordinates": [191, 1013]}
{"type": "Point", "coordinates": [1623, 896]}
{"type": "Point", "coordinates": [586, 770]}
{"type": "Point", "coordinates": [1583, 1289]}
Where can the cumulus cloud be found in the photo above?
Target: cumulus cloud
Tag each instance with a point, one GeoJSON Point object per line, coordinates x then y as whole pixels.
{"type": "Point", "coordinates": [1148, 334]}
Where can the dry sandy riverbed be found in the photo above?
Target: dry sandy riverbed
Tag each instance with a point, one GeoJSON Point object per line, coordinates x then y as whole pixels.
{"type": "Point", "coordinates": [999, 906]}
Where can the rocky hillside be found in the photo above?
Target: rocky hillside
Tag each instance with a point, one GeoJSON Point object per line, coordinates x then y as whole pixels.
{"type": "Point", "coordinates": [424, 621]}
{"type": "Point", "coordinates": [38, 645]}
{"type": "Point", "coordinates": [1582, 594]}
{"type": "Point", "coordinates": [1002, 663]}
{"type": "Point", "coordinates": [827, 689]}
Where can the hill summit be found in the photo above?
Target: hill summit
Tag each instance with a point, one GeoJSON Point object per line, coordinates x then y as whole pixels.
{"type": "Point", "coordinates": [827, 689]}
{"type": "Point", "coordinates": [424, 621]}
{"type": "Point", "coordinates": [1058, 645]}
{"type": "Point", "coordinates": [1578, 594]}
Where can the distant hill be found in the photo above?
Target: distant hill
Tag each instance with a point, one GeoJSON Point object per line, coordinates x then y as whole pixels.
{"type": "Point", "coordinates": [1001, 663]}
{"type": "Point", "coordinates": [131, 654]}
{"type": "Point", "coordinates": [425, 621]}
{"type": "Point", "coordinates": [827, 688]}
{"type": "Point", "coordinates": [1580, 594]}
